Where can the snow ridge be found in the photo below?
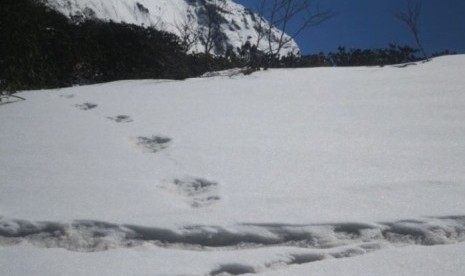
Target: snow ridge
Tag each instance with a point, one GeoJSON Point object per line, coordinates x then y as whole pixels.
{"type": "Point", "coordinates": [91, 236]}
{"type": "Point", "coordinates": [238, 23]}
{"type": "Point", "coordinates": [298, 244]}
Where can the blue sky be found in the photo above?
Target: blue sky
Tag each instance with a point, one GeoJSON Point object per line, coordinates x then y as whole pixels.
{"type": "Point", "coordinates": [371, 24]}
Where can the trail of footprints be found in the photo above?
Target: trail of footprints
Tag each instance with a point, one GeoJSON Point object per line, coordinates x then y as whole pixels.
{"type": "Point", "coordinates": [150, 144]}
{"type": "Point", "coordinates": [88, 106]}
{"type": "Point", "coordinates": [197, 192]}
{"type": "Point", "coordinates": [323, 241]}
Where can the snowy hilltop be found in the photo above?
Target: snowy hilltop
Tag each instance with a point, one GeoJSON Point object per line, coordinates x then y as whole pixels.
{"type": "Point", "coordinates": [192, 20]}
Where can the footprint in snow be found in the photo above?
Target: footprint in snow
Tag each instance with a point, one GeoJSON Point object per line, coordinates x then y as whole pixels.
{"type": "Point", "coordinates": [197, 192]}
{"type": "Point", "coordinates": [67, 96]}
{"type": "Point", "coordinates": [121, 119]}
{"type": "Point", "coordinates": [154, 143]}
{"type": "Point", "coordinates": [86, 106]}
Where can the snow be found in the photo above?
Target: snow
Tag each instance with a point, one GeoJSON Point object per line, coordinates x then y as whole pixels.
{"type": "Point", "coordinates": [282, 172]}
{"type": "Point", "coordinates": [147, 260]}
{"type": "Point", "coordinates": [170, 15]}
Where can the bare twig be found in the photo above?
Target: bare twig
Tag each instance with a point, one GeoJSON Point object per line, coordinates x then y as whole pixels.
{"type": "Point", "coordinates": [280, 14]}
{"type": "Point", "coordinates": [187, 32]}
{"type": "Point", "coordinates": [410, 18]}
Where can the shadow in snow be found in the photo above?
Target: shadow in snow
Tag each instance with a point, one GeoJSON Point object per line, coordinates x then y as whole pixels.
{"type": "Point", "coordinates": [305, 258]}
{"type": "Point", "coordinates": [232, 269]}
{"type": "Point", "coordinates": [86, 106]}
{"type": "Point", "coordinates": [121, 119]}
{"type": "Point", "coordinates": [154, 143]}
{"type": "Point", "coordinates": [198, 192]}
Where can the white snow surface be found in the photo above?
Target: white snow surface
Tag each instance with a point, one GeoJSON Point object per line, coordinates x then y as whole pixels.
{"type": "Point", "coordinates": [239, 24]}
{"type": "Point", "coordinates": [282, 172]}
{"type": "Point", "coordinates": [148, 260]}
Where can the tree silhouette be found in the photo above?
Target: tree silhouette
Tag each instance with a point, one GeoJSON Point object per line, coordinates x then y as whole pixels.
{"type": "Point", "coordinates": [280, 13]}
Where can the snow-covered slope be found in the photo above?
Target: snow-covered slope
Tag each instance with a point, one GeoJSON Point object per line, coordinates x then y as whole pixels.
{"type": "Point", "coordinates": [238, 24]}
{"type": "Point", "coordinates": [283, 172]}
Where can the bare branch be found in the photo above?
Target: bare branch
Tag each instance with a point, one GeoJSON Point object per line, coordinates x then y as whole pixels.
{"type": "Point", "coordinates": [187, 31]}
{"type": "Point", "coordinates": [410, 18]}
{"type": "Point", "coordinates": [261, 22]}
{"type": "Point", "coordinates": [281, 13]}
{"type": "Point", "coordinates": [213, 18]}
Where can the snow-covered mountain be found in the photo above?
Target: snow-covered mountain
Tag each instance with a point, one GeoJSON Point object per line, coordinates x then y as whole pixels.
{"type": "Point", "coordinates": [189, 19]}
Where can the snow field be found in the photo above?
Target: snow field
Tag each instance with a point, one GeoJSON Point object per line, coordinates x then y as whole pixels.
{"type": "Point", "coordinates": [282, 172]}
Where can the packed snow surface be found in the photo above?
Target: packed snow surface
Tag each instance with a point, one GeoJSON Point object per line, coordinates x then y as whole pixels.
{"type": "Point", "coordinates": [283, 172]}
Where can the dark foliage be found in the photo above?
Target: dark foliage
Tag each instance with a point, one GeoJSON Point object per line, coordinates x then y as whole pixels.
{"type": "Point", "coordinates": [353, 57]}
{"type": "Point", "coordinates": [357, 57]}
{"type": "Point", "coordinates": [34, 46]}
{"type": "Point", "coordinates": [110, 51]}
{"type": "Point", "coordinates": [40, 48]}
{"type": "Point", "coordinates": [443, 53]}
{"type": "Point", "coordinates": [251, 57]}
